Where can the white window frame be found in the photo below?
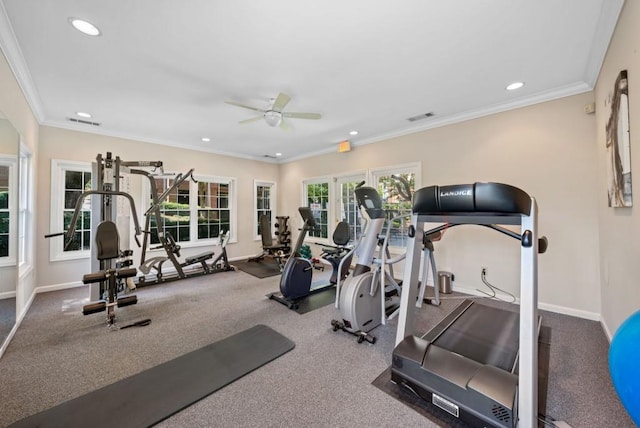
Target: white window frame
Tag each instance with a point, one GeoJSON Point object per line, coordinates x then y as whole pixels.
{"type": "Point", "coordinates": [330, 214]}
{"type": "Point", "coordinates": [233, 208]}
{"type": "Point", "coordinates": [58, 169]}
{"type": "Point", "coordinates": [338, 181]}
{"type": "Point", "coordinates": [11, 162]}
{"type": "Point", "coordinates": [413, 167]}
{"type": "Point", "coordinates": [194, 242]}
{"type": "Point", "coordinates": [272, 204]}
{"type": "Point", "coordinates": [25, 210]}
{"type": "Point", "coordinates": [176, 236]}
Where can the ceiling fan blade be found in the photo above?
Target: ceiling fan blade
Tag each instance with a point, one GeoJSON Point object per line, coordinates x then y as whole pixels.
{"type": "Point", "coordinates": [302, 115]}
{"type": "Point", "coordinates": [233, 103]}
{"type": "Point", "coordinates": [253, 119]}
{"type": "Point", "coordinates": [285, 126]}
{"type": "Point", "coordinates": [281, 102]}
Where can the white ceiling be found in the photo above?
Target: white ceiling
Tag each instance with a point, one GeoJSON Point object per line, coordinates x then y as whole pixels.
{"type": "Point", "coordinates": [161, 70]}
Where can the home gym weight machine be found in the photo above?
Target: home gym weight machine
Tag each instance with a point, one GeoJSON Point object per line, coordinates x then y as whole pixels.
{"type": "Point", "coordinates": [109, 265]}
{"type": "Point", "coordinates": [466, 365]}
{"type": "Point", "coordinates": [167, 241]}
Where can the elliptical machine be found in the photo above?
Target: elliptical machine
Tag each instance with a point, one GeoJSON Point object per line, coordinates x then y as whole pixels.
{"type": "Point", "coordinates": [295, 282]}
{"type": "Point", "coordinates": [359, 298]}
{"type": "Point", "coordinates": [371, 295]}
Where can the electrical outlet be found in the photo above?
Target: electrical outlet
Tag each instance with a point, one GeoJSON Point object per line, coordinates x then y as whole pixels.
{"type": "Point", "coordinates": [483, 270]}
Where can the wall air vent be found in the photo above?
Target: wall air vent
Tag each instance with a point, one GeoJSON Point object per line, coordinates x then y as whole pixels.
{"type": "Point", "coordinates": [421, 116]}
{"type": "Point", "coordinates": [85, 122]}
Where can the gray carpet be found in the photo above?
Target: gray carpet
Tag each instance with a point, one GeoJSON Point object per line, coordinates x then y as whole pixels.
{"type": "Point", "coordinates": [7, 316]}
{"type": "Point", "coordinates": [58, 354]}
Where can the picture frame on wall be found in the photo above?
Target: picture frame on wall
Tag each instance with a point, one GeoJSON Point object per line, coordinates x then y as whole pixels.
{"type": "Point", "coordinates": [618, 144]}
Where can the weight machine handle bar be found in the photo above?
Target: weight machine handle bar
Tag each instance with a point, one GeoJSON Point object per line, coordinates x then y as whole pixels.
{"type": "Point", "coordinates": [51, 235]}
{"type": "Point", "coordinates": [180, 178]}
{"type": "Point", "coordinates": [76, 212]}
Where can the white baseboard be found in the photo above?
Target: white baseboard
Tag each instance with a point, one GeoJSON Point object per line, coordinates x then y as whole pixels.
{"type": "Point", "coordinates": [56, 287]}
{"type": "Point", "coordinates": [578, 313]}
{"type": "Point", "coordinates": [606, 329]}
{"type": "Point", "coordinates": [7, 340]}
{"type": "Point", "coordinates": [8, 295]}
{"type": "Point", "coordinates": [19, 319]}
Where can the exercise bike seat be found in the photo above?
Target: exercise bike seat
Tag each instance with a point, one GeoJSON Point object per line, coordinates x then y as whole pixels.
{"type": "Point", "coordinates": [335, 254]}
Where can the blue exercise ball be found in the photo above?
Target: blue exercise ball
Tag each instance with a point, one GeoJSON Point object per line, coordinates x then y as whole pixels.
{"type": "Point", "coordinates": [624, 365]}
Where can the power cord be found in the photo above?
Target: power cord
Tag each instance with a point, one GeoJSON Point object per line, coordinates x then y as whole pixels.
{"type": "Point", "coordinates": [493, 288]}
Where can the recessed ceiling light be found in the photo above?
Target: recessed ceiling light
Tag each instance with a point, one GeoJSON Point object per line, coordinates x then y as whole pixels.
{"type": "Point", "coordinates": [84, 27]}
{"type": "Point", "coordinates": [353, 133]}
{"type": "Point", "coordinates": [515, 85]}
{"type": "Point", "coordinates": [206, 139]}
{"type": "Point", "coordinates": [83, 114]}
{"type": "Point", "coordinates": [278, 154]}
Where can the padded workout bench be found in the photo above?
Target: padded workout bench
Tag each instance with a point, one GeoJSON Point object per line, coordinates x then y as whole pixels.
{"type": "Point", "coordinates": [200, 258]}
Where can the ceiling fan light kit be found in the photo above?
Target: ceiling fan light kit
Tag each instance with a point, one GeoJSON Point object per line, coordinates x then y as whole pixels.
{"type": "Point", "coordinates": [274, 116]}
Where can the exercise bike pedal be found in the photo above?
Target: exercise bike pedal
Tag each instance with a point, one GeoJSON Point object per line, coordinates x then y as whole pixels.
{"type": "Point", "coordinates": [365, 336]}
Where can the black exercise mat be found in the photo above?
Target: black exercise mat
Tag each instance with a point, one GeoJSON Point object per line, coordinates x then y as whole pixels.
{"type": "Point", "coordinates": [316, 300]}
{"type": "Point", "coordinates": [442, 418]}
{"type": "Point", "coordinates": [259, 268]}
{"type": "Point", "coordinates": [155, 394]}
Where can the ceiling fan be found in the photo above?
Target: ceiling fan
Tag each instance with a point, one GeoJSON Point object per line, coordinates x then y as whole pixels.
{"type": "Point", "coordinates": [274, 116]}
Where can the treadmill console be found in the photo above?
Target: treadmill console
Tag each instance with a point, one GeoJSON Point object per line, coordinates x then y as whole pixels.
{"type": "Point", "coordinates": [493, 198]}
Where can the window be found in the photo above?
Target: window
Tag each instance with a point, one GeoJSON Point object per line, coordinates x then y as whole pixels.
{"type": "Point", "coordinates": [5, 212]}
{"type": "Point", "coordinates": [75, 183]}
{"type": "Point", "coordinates": [68, 181]}
{"type": "Point", "coordinates": [347, 205]}
{"type": "Point", "coordinates": [175, 211]}
{"type": "Point", "coordinates": [214, 211]}
{"type": "Point", "coordinates": [396, 186]}
{"type": "Point", "coordinates": [195, 211]}
{"type": "Point", "coordinates": [317, 198]}
{"type": "Point", "coordinates": [25, 242]}
{"type": "Point", "coordinates": [265, 198]}
{"type": "Point", "coordinates": [8, 220]}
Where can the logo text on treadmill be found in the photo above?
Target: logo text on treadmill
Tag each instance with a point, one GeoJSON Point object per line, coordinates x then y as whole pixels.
{"type": "Point", "coordinates": [456, 193]}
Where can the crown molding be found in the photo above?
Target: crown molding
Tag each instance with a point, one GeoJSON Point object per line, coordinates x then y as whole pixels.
{"type": "Point", "coordinates": [13, 53]}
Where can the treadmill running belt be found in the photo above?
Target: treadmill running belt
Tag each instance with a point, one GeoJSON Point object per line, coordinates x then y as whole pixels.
{"type": "Point", "coordinates": [484, 334]}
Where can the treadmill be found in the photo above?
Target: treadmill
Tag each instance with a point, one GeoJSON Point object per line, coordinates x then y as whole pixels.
{"type": "Point", "coordinates": [479, 363]}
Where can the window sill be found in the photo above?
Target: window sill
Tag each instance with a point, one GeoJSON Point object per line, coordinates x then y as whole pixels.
{"type": "Point", "coordinates": [8, 262]}
{"type": "Point", "coordinates": [70, 257]}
